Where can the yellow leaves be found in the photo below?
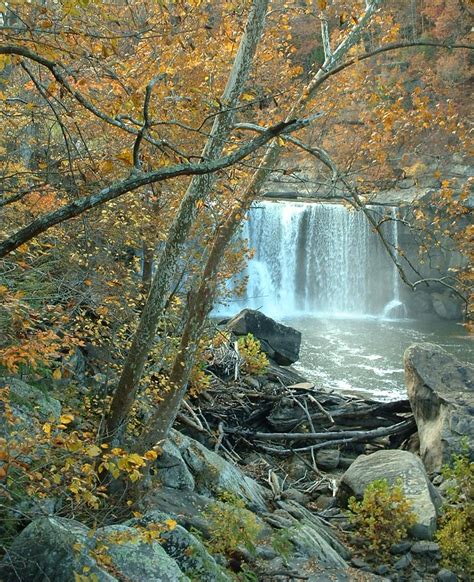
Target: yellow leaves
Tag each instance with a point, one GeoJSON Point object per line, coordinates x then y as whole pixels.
{"type": "Point", "coordinates": [5, 60]}
{"type": "Point", "coordinates": [56, 375]}
{"type": "Point", "coordinates": [66, 418]}
{"type": "Point", "coordinates": [151, 455]}
{"type": "Point", "coordinates": [106, 166]}
{"type": "Point", "coordinates": [170, 524]}
{"type": "Point", "coordinates": [93, 451]}
{"type": "Point", "coordinates": [125, 156]}
{"type": "Point", "coordinates": [247, 97]}
{"type": "Point", "coordinates": [46, 428]}
{"type": "Point", "coordinates": [322, 4]}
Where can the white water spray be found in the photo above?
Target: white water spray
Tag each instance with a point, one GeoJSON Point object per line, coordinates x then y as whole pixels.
{"type": "Point", "coordinates": [319, 259]}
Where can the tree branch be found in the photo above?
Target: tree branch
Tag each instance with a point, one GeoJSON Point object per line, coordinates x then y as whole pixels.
{"type": "Point", "coordinates": [135, 181]}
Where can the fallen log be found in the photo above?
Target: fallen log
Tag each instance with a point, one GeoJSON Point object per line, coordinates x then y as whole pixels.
{"type": "Point", "coordinates": [315, 436]}
{"type": "Point", "coordinates": [363, 436]}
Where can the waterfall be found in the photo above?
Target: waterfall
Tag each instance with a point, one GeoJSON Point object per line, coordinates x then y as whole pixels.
{"type": "Point", "coordinates": [318, 258]}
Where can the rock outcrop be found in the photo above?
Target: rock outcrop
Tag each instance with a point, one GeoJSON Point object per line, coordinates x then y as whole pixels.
{"type": "Point", "coordinates": [280, 342]}
{"type": "Point", "coordinates": [441, 393]}
{"type": "Point", "coordinates": [393, 465]}
{"type": "Point", "coordinates": [62, 550]}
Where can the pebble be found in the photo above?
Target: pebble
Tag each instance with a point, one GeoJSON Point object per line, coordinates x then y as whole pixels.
{"type": "Point", "coordinates": [425, 547]}
{"type": "Point", "coordinates": [401, 547]}
{"type": "Point", "coordinates": [361, 564]}
{"type": "Point", "coordinates": [446, 575]}
{"type": "Point", "coordinates": [382, 569]}
{"type": "Point", "coordinates": [403, 562]}
{"type": "Point", "coordinates": [266, 553]}
{"type": "Point", "coordinates": [437, 479]}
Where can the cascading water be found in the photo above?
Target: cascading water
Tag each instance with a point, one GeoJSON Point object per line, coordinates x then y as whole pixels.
{"type": "Point", "coordinates": [322, 259]}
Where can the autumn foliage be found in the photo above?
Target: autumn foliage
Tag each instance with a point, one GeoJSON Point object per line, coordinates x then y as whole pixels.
{"type": "Point", "coordinates": [94, 94]}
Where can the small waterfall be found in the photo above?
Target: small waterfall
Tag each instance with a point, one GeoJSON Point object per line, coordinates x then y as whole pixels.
{"type": "Point", "coordinates": [394, 309]}
{"type": "Point", "coordinates": [317, 258]}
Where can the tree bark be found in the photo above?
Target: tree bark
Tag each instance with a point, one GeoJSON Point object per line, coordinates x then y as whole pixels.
{"type": "Point", "coordinates": [198, 189]}
{"type": "Point", "coordinates": [163, 418]}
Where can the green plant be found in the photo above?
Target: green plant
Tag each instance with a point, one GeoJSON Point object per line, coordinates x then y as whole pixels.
{"type": "Point", "coordinates": [282, 544]}
{"type": "Point", "coordinates": [456, 532]}
{"type": "Point", "coordinates": [255, 361]}
{"type": "Point", "coordinates": [231, 525]}
{"type": "Point", "coordinates": [383, 516]}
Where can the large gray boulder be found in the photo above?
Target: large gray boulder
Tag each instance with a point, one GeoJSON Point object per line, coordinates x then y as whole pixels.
{"type": "Point", "coordinates": [213, 474]}
{"type": "Point", "coordinates": [280, 342]}
{"type": "Point", "coordinates": [441, 393]}
{"type": "Point", "coordinates": [171, 469]}
{"type": "Point", "coordinates": [58, 549]}
{"type": "Point", "coordinates": [395, 465]}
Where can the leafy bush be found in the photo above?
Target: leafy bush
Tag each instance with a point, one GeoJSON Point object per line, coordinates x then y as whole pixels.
{"type": "Point", "coordinates": [231, 525]}
{"type": "Point", "coordinates": [382, 517]}
{"type": "Point", "coordinates": [255, 361]}
{"type": "Point", "coordinates": [456, 532]}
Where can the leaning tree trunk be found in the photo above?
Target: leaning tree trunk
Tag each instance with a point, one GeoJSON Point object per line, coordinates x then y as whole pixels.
{"type": "Point", "coordinates": [201, 301]}
{"type": "Point", "coordinates": [199, 187]}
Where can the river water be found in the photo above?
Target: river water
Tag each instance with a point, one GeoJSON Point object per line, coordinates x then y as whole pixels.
{"type": "Point", "coordinates": [321, 269]}
{"type": "Point", "coordinates": [365, 355]}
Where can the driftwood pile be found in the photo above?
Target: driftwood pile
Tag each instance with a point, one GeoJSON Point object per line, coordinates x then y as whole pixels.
{"type": "Point", "coordinates": [280, 414]}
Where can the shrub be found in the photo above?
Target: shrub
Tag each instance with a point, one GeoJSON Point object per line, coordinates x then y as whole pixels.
{"type": "Point", "coordinates": [231, 525]}
{"type": "Point", "coordinates": [383, 516]}
{"type": "Point", "coordinates": [255, 361]}
{"type": "Point", "coordinates": [456, 532]}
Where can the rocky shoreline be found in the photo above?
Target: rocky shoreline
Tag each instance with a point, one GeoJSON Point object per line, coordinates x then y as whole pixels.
{"type": "Point", "coordinates": [266, 464]}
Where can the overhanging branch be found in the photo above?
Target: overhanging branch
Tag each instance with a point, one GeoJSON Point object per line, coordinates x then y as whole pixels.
{"type": "Point", "coordinates": [137, 180]}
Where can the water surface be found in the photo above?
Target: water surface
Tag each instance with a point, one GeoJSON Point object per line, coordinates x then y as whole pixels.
{"type": "Point", "coordinates": [366, 355]}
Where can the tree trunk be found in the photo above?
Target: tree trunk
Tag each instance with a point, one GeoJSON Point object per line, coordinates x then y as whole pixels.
{"type": "Point", "coordinates": [203, 298]}
{"type": "Point", "coordinates": [198, 189]}
{"type": "Point", "coordinates": [147, 270]}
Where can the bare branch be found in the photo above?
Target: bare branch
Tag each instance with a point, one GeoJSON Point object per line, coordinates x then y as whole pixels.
{"type": "Point", "coordinates": [136, 180]}
{"type": "Point", "coordinates": [326, 37]}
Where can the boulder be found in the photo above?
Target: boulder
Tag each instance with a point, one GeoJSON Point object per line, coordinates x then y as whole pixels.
{"type": "Point", "coordinates": [189, 552]}
{"type": "Point", "coordinates": [441, 393]}
{"type": "Point", "coordinates": [213, 474]}
{"type": "Point", "coordinates": [171, 470]}
{"type": "Point", "coordinates": [393, 465]}
{"type": "Point", "coordinates": [62, 549]}
{"type": "Point", "coordinates": [328, 459]}
{"type": "Point", "coordinates": [280, 342]}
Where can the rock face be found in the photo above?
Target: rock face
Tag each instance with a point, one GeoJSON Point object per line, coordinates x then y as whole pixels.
{"type": "Point", "coordinates": [446, 305]}
{"type": "Point", "coordinates": [441, 393]}
{"type": "Point", "coordinates": [58, 548]}
{"type": "Point", "coordinates": [29, 402]}
{"type": "Point", "coordinates": [393, 465]}
{"type": "Point", "coordinates": [280, 342]}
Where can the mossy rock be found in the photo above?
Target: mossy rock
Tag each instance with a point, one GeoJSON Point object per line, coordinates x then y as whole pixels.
{"type": "Point", "coordinates": [188, 551]}
{"type": "Point", "coordinates": [62, 549]}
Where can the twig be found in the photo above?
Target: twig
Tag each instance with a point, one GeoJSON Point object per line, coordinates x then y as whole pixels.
{"type": "Point", "coordinates": [319, 405]}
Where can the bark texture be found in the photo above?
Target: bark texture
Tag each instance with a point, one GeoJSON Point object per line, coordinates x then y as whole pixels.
{"type": "Point", "coordinates": [166, 268]}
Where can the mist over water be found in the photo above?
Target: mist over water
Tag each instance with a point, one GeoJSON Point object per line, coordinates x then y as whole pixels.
{"type": "Point", "coordinates": [321, 269]}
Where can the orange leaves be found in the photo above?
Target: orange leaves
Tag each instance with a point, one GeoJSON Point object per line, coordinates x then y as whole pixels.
{"type": "Point", "coordinates": [125, 156]}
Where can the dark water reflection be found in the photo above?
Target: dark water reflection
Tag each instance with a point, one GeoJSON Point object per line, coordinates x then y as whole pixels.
{"type": "Point", "coordinates": [366, 355]}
